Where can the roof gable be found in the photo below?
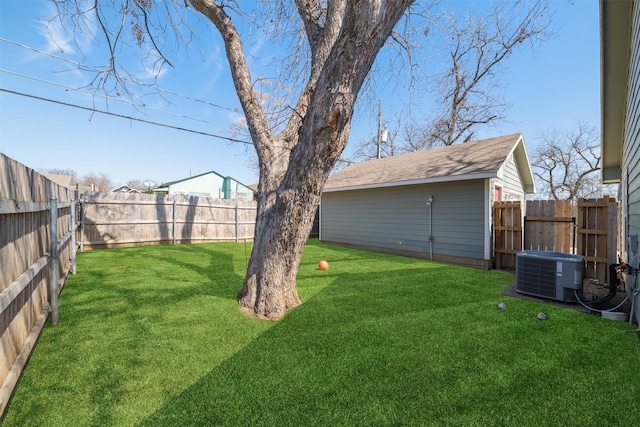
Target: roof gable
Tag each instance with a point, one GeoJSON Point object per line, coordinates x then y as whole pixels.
{"type": "Point", "coordinates": [471, 160]}
{"type": "Point", "coordinates": [167, 184]}
{"type": "Point", "coordinates": [63, 180]}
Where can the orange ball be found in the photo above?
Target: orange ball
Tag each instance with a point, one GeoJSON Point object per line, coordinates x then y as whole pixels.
{"type": "Point", "coordinates": [323, 265]}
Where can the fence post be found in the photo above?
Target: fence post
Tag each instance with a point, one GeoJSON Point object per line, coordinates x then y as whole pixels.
{"type": "Point", "coordinates": [173, 232]}
{"type": "Point", "coordinates": [74, 232]}
{"type": "Point", "coordinates": [53, 262]}
{"type": "Point", "coordinates": [237, 222]}
{"type": "Point", "coordinates": [82, 208]}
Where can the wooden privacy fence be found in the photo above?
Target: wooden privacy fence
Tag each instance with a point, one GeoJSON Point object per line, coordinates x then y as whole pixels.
{"type": "Point", "coordinates": [588, 228]}
{"type": "Point", "coordinates": [550, 225]}
{"type": "Point", "coordinates": [597, 235]}
{"type": "Point", "coordinates": [507, 229]}
{"type": "Point", "coordinates": [128, 219]}
{"type": "Point", "coordinates": [37, 252]}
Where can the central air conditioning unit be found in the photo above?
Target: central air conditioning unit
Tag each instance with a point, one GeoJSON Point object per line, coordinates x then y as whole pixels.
{"type": "Point", "coordinates": [547, 274]}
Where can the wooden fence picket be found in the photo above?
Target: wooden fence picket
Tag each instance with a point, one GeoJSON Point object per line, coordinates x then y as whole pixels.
{"type": "Point", "coordinates": [597, 235]}
{"type": "Point", "coordinates": [129, 219]}
{"type": "Point", "coordinates": [507, 228]}
{"type": "Point", "coordinates": [36, 256]}
{"type": "Point", "coordinates": [589, 228]}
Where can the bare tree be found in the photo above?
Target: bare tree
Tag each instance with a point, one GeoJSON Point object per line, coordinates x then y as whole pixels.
{"type": "Point", "coordinates": [69, 172]}
{"type": "Point", "coordinates": [567, 163]}
{"type": "Point", "coordinates": [342, 38]}
{"type": "Point", "coordinates": [99, 182]}
{"type": "Point", "coordinates": [467, 92]}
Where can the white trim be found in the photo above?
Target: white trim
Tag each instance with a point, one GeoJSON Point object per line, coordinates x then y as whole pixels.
{"type": "Point", "coordinates": [413, 182]}
{"type": "Point", "coordinates": [487, 219]}
{"type": "Point", "coordinates": [520, 157]}
{"type": "Point", "coordinates": [320, 220]}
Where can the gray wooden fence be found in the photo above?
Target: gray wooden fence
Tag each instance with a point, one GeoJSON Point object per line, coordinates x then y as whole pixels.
{"type": "Point", "coordinates": [129, 219]}
{"type": "Point", "coordinates": [37, 252]}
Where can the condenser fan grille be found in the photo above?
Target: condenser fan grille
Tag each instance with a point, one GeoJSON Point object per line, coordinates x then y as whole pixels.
{"type": "Point", "coordinates": [536, 276]}
{"type": "Point", "coordinates": [549, 274]}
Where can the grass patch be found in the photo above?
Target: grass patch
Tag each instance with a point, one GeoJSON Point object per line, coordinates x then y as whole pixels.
{"type": "Point", "coordinates": [153, 336]}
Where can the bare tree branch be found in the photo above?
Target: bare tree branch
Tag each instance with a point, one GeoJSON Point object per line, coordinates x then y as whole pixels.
{"type": "Point", "coordinates": [467, 88]}
{"type": "Point", "coordinates": [566, 163]}
{"type": "Point", "coordinates": [479, 46]}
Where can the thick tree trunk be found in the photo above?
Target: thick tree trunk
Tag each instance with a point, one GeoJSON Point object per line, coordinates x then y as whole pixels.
{"type": "Point", "coordinates": [295, 164]}
{"type": "Point", "coordinates": [269, 289]}
{"type": "Point", "coordinates": [282, 230]}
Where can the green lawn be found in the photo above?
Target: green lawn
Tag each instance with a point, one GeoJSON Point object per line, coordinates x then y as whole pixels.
{"type": "Point", "coordinates": [153, 336]}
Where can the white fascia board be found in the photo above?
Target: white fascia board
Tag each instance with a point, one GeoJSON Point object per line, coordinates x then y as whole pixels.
{"type": "Point", "coordinates": [412, 182]}
{"type": "Point", "coordinates": [487, 219]}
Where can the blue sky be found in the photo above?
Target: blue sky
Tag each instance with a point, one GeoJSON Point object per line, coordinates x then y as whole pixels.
{"type": "Point", "coordinates": [553, 87]}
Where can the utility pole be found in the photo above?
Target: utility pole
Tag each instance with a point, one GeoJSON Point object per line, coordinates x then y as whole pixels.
{"type": "Point", "coordinates": [379, 126]}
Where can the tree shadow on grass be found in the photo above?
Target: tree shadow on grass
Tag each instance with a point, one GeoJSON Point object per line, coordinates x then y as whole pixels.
{"type": "Point", "coordinates": [127, 319]}
{"type": "Point", "coordinates": [189, 355]}
{"type": "Point", "coordinates": [166, 275]}
{"type": "Point", "coordinates": [331, 361]}
{"type": "Point", "coordinates": [221, 275]}
{"type": "Point", "coordinates": [404, 345]}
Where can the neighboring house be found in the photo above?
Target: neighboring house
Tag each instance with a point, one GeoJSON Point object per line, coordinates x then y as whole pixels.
{"type": "Point", "coordinates": [383, 204]}
{"type": "Point", "coordinates": [67, 181]}
{"type": "Point", "coordinates": [620, 62]}
{"type": "Point", "coordinates": [63, 180]}
{"type": "Point", "coordinates": [209, 184]}
{"type": "Point", "coordinates": [125, 189]}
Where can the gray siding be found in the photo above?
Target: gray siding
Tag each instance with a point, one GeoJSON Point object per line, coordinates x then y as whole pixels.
{"type": "Point", "coordinates": [630, 187]}
{"type": "Point", "coordinates": [398, 218]}
{"type": "Point", "coordinates": [512, 187]}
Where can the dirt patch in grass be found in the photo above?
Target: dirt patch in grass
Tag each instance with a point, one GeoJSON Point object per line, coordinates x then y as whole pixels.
{"type": "Point", "coordinates": [592, 290]}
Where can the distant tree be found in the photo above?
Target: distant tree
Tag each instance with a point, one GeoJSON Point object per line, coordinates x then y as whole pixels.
{"type": "Point", "coordinates": [99, 182]}
{"type": "Point", "coordinates": [468, 92]}
{"type": "Point", "coordinates": [468, 89]}
{"type": "Point", "coordinates": [566, 163]}
{"type": "Point", "coordinates": [339, 39]}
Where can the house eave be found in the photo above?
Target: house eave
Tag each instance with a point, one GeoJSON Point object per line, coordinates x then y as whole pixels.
{"type": "Point", "coordinates": [412, 182]}
{"type": "Point", "coordinates": [611, 175]}
{"type": "Point", "coordinates": [615, 41]}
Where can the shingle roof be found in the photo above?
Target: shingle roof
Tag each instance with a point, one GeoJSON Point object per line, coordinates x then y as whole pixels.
{"type": "Point", "coordinates": [64, 180]}
{"type": "Point", "coordinates": [471, 160]}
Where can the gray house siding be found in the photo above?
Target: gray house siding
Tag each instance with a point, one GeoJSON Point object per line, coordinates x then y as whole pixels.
{"type": "Point", "coordinates": [511, 180]}
{"type": "Point", "coordinates": [630, 180]}
{"type": "Point", "coordinates": [397, 219]}
{"type": "Point", "coordinates": [631, 147]}
{"type": "Point", "coordinates": [380, 204]}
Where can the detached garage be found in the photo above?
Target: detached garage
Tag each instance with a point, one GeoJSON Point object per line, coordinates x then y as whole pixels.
{"type": "Point", "coordinates": [434, 204]}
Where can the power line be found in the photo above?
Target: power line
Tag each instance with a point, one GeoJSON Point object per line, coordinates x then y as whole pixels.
{"type": "Point", "coordinates": [85, 67]}
{"type": "Point", "coordinates": [80, 90]}
{"type": "Point", "coordinates": [109, 113]}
